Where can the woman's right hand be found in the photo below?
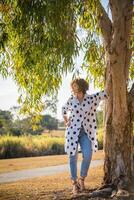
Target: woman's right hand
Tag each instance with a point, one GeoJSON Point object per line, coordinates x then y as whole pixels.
{"type": "Point", "coordinates": [67, 121]}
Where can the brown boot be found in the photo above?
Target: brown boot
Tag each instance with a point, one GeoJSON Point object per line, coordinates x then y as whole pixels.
{"type": "Point", "coordinates": [75, 190]}
{"type": "Point", "coordinates": [81, 184]}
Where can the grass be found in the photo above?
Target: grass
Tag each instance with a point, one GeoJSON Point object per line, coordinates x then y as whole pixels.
{"type": "Point", "coordinates": [56, 187]}
{"type": "Point", "coordinates": [26, 146]}
{"type": "Point", "coordinates": [39, 145]}
{"type": "Point", "coordinates": [9, 165]}
{"type": "Point", "coordinates": [54, 133]}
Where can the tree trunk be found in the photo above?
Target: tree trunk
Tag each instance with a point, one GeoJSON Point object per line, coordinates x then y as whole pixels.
{"type": "Point", "coordinates": [118, 136]}
{"type": "Point", "coordinates": [118, 162]}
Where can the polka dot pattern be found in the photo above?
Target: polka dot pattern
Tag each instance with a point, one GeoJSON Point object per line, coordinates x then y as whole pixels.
{"type": "Point", "coordinates": [82, 113]}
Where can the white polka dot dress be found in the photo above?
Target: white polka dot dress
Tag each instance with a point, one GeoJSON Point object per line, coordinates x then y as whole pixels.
{"type": "Point", "coordinates": [82, 114]}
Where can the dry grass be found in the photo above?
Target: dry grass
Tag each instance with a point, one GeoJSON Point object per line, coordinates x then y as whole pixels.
{"type": "Point", "coordinates": [54, 133]}
{"type": "Point", "coordinates": [48, 187]}
{"type": "Point", "coordinates": [38, 145]}
{"type": "Point", "coordinates": [29, 145]}
{"type": "Point", "coordinates": [8, 165]}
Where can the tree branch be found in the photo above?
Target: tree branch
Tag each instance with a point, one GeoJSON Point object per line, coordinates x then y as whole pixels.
{"type": "Point", "coordinates": [122, 17]}
{"type": "Point", "coordinates": [105, 25]}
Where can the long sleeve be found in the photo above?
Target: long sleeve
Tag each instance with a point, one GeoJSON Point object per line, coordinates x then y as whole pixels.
{"type": "Point", "coordinates": [102, 95]}
{"type": "Point", "coordinates": [99, 96]}
{"type": "Point", "coordinates": [66, 107]}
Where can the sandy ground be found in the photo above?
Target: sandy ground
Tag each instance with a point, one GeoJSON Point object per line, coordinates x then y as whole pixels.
{"type": "Point", "coordinates": [9, 165]}
{"type": "Point", "coordinates": [48, 187]}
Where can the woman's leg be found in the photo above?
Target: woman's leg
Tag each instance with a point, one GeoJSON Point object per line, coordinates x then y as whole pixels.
{"type": "Point", "coordinates": [73, 165]}
{"type": "Point", "coordinates": [73, 172]}
{"type": "Point", "coordinates": [86, 149]}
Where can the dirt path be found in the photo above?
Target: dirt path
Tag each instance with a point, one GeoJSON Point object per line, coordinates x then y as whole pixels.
{"type": "Point", "coordinates": [46, 171]}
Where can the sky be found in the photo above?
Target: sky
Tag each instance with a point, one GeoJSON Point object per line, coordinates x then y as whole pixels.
{"type": "Point", "coordinates": [9, 90]}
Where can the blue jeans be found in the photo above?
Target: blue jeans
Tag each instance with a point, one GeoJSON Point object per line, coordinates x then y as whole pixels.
{"type": "Point", "coordinates": [86, 149]}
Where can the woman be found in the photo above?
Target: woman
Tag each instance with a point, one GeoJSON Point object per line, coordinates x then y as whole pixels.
{"type": "Point", "coordinates": [81, 128]}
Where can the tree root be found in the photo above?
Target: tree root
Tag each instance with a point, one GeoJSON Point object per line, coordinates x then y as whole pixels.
{"type": "Point", "coordinates": [118, 191]}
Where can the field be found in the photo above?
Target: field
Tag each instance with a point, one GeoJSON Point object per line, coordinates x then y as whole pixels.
{"type": "Point", "coordinates": [36, 145]}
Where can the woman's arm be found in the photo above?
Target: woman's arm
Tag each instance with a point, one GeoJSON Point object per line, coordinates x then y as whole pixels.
{"type": "Point", "coordinates": [102, 95]}
{"type": "Point", "coordinates": [66, 120]}
{"type": "Point", "coordinates": [65, 109]}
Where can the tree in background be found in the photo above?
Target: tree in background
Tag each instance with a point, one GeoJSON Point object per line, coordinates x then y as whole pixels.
{"type": "Point", "coordinates": [30, 123]}
{"type": "Point", "coordinates": [48, 122]}
{"type": "Point", "coordinates": [5, 122]}
{"type": "Point", "coordinates": [39, 42]}
{"type": "Point", "coordinates": [23, 126]}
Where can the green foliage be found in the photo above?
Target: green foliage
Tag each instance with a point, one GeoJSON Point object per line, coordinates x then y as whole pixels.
{"type": "Point", "coordinates": [25, 126]}
{"type": "Point", "coordinates": [89, 18]}
{"type": "Point", "coordinates": [99, 118]}
{"type": "Point", "coordinates": [26, 146]}
{"type": "Point", "coordinates": [41, 43]}
{"type": "Point", "coordinates": [51, 103]}
{"type": "Point", "coordinates": [48, 122]}
{"type": "Point", "coordinates": [5, 122]}
{"type": "Point", "coordinates": [95, 63]}
{"type": "Point", "coordinates": [94, 60]}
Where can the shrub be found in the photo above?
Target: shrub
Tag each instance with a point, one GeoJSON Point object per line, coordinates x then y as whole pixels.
{"type": "Point", "coordinates": [25, 146]}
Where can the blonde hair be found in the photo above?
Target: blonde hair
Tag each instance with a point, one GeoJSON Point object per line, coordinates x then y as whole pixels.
{"type": "Point", "coordinates": [82, 84]}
